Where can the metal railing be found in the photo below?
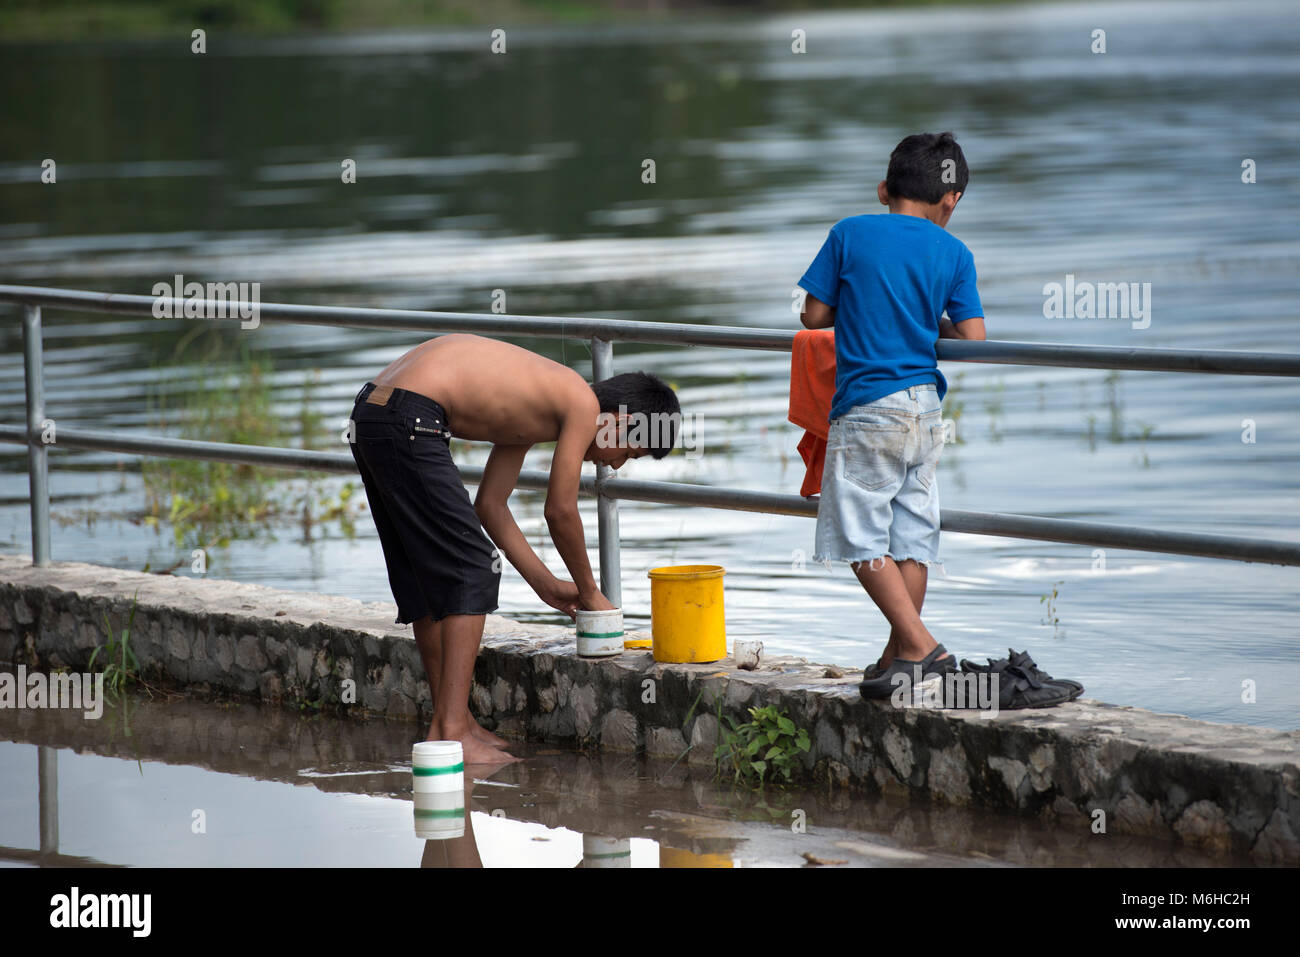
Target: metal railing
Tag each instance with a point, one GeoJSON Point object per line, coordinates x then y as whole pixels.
{"type": "Point", "coordinates": [608, 490]}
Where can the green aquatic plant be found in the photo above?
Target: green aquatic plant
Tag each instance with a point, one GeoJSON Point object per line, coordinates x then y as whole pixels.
{"type": "Point", "coordinates": [1050, 599]}
{"type": "Point", "coordinates": [121, 667]}
{"type": "Point", "coordinates": [951, 408]}
{"type": "Point", "coordinates": [993, 406]}
{"type": "Point", "coordinates": [209, 504]}
{"type": "Point", "coordinates": [1115, 403]}
{"type": "Point", "coordinates": [765, 748]}
{"type": "Point", "coordinates": [1144, 433]}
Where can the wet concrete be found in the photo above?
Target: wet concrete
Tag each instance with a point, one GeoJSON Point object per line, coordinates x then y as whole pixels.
{"type": "Point", "coordinates": [277, 787]}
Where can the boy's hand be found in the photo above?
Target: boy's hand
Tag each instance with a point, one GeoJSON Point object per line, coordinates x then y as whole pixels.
{"type": "Point", "coordinates": [596, 601]}
{"type": "Point", "coordinates": [561, 595]}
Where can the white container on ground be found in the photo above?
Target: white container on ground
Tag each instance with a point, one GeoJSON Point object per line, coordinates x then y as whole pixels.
{"type": "Point", "coordinates": [747, 653]}
{"type": "Point", "coordinates": [438, 766]}
{"type": "Point", "coordinates": [600, 633]}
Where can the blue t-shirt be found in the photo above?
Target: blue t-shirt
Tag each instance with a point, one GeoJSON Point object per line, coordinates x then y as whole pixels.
{"type": "Point", "coordinates": [890, 277]}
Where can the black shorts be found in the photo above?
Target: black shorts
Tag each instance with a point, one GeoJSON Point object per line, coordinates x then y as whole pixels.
{"type": "Point", "coordinates": [440, 561]}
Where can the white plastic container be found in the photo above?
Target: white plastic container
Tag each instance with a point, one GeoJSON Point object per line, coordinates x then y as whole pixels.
{"type": "Point", "coordinates": [600, 633]}
{"type": "Point", "coordinates": [439, 815]}
{"type": "Point", "coordinates": [438, 767]}
{"type": "Point", "coordinates": [747, 654]}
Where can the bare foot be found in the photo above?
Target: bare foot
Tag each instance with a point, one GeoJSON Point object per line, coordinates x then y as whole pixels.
{"type": "Point", "coordinates": [485, 764]}
{"type": "Point", "coordinates": [484, 735]}
{"type": "Point", "coordinates": [484, 757]}
{"type": "Point", "coordinates": [487, 737]}
{"type": "Point", "coordinates": [476, 751]}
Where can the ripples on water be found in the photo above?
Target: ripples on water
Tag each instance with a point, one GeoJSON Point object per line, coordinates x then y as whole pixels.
{"type": "Point", "coordinates": [523, 173]}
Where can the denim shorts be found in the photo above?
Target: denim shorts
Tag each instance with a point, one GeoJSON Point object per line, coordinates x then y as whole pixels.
{"type": "Point", "coordinates": [880, 493]}
{"type": "Point", "coordinates": [440, 561]}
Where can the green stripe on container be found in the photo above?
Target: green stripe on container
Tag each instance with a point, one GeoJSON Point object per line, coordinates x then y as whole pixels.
{"type": "Point", "coordinates": [601, 634]}
{"type": "Point", "coordinates": [450, 769]}
{"type": "Point", "coordinates": [440, 812]}
{"type": "Point", "coordinates": [601, 857]}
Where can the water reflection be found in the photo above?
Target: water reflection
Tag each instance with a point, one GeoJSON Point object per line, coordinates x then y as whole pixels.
{"type": "Point", "coordinates": [222, 784]}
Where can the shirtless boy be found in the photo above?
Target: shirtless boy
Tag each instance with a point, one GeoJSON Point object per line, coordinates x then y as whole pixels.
{"type": "Point", "coordinates": [443, 570]}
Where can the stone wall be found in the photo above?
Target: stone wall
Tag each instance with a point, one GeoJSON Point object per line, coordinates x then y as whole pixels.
{"type": "Point", "coordinates": [1224, 788]}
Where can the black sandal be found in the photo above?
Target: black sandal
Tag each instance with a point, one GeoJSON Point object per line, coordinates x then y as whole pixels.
{"type": "Point", "coordinates": [881, 684]}
{"type": "Point", "coordinates": [1022, 684]}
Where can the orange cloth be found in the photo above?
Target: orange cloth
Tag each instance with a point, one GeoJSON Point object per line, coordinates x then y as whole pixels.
{"type": "Point", "coordinates": [812, 386]}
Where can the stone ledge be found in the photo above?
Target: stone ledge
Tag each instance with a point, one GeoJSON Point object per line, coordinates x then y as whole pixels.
{"type": "Point", "coordinates": [1226, 788]}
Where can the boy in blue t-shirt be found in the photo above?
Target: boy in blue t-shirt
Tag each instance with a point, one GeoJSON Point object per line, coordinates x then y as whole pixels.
{"type": "Point", "coordinates": [884, 282]}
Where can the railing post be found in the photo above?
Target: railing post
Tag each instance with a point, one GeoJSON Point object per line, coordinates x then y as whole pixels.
{"type": "Point", "coordinates": [38, 476]}
{"type": "Point", "coordinates": [602, 367]}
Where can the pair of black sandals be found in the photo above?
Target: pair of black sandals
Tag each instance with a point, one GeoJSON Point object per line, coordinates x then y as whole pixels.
{"type": "Point", "coordinates": [1021, 683]}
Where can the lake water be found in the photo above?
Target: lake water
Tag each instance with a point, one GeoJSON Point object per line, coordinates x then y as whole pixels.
{"type": "Point", "coordinates": [522, 173]}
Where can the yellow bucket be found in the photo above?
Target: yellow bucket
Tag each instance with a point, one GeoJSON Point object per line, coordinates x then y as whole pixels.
{"type": "Point", "coordinates": [686, 620]}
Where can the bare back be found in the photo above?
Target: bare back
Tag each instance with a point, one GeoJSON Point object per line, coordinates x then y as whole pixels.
{"type": "Point", "coordinates": [493, 391]}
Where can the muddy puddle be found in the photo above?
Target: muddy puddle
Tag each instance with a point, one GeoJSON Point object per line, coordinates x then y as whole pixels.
{"type": "Point", "coordinates": [191, 782]}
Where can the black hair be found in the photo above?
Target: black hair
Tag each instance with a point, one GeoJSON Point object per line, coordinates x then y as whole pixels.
{"type": "Point", "coordinates": [917, 168]}
{"type": "Point", "coordinates": [647, 395]}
